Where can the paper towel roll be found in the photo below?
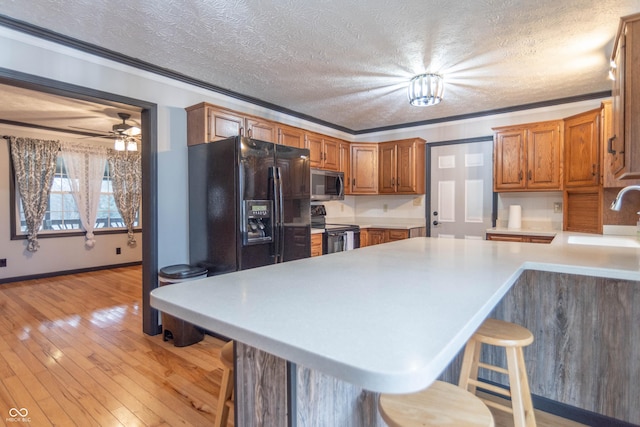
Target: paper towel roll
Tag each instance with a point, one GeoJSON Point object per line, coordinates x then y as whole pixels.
{"type": "Point", "coordinates": [515, 216]}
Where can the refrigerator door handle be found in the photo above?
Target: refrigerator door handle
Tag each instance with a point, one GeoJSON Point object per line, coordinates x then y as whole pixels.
{"type": "Point", "coordinates": [274, 176]}
{"type": "Point", "coordinates": [281, 216]}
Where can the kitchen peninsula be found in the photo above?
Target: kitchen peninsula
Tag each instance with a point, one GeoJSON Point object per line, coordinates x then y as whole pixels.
{"type": "Point", "coordinates": [388, 318]}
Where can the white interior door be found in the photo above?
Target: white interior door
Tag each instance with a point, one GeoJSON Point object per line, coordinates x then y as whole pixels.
{"type": "Point", "coordinates": [461, 194]}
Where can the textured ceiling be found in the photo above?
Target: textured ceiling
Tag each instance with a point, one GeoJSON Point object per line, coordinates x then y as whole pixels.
{"type": "Point", "coordinates": [348, 62]}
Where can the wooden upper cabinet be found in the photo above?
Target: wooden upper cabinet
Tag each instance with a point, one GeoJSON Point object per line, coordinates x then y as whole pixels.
{"type": "Point", "coordinates": [528, 157]}
{"type": "Point", "coordinates": [290, 136]}
{"type": "Point", "coordinates": [208, 123]}
{"type": "Point", "coordinates": [344, 164]}
{"type": "Point", "coordinates": [509, 159]}
{"type": "Point", "coordinates": [402, 167]}
{"type": "Point", "coordinates": [262, 130]}
{"type": "Point", "coordinates": [623, 148]}
{"type": "Point", "coordinates": [581, 149]}
{"type": "Point", "coordinates": [364, 168]}
{"type": "Point", "coordinates": [323, 151]}
{"type": "Point", "coordinates": [387, 164]}
{"type": "Point", "coordinates": [608, 164]}
{"type": "Point", "coordinates": [544, 156]}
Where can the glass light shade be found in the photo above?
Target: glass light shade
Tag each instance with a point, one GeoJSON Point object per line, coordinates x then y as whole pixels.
{"type": "Point", "coordinates": [132, 145]}
{"type": "Point", "coordinates": [426, 89]}
{"type": "Point", "coordinates": [119, 145]}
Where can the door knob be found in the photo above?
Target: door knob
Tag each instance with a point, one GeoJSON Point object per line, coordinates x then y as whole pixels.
{"type": "Point", "coordinates": [435, 213]}
{"type": "Point", "coordinates": [435, 222]}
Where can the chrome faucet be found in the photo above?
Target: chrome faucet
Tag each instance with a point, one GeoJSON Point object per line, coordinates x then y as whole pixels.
{"type": "Point", "coordinates": [617, 203]}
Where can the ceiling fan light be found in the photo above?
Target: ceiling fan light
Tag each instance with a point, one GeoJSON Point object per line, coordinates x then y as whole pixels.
{"type": "Point", "coordinates": [133, 131]}
{"type": "Point", "coordinates": [425, 90]}
{"type": "Point", "coordinates": [132, 145]}
{"type": "Point", "coordinates": [119, 145]}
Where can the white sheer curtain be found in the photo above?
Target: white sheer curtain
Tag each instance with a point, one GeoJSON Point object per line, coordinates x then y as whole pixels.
{"type": "Point", "coordinates": [85, 166]}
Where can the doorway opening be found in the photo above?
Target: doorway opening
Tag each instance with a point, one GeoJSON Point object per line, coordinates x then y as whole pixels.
{"type": "Point", "coordinates": [148, 124]}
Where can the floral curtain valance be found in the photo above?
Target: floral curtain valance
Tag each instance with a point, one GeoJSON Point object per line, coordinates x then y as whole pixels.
{"type": "Point", "coordinates": [125, 168]}
{"type": "Point", "coordinates": [34, 163]}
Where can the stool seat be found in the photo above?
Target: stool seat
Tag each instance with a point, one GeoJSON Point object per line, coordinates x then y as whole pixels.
{"type": "Point", "coordinates": [441, 405]}
{"type": "Point", "coordinates": [503, 334]}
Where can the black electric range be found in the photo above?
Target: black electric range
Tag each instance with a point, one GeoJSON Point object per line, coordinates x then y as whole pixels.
{"type": "Point", "coordinates": [336, 237]}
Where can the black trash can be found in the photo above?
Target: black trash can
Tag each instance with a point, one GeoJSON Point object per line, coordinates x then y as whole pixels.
{"type": "Point", "coordinates": [182, 333]}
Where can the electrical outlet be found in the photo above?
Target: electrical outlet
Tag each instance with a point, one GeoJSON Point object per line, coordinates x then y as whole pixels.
{"type": "Point", "coordinates": [3, 262]}
{"type": "Point", "coordinates": [417, 201]}
{"type": "Point", "coordinates": [557, 207]}
{"type": "Point", "coordinates": [118, 251]}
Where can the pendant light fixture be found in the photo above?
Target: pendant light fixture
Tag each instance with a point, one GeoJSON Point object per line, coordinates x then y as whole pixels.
{"type": "Point", "coordinates": [426, 89]}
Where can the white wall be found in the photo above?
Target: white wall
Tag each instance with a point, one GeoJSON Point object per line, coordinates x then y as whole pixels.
{"type": "Point", "coordinates": [31, 55]}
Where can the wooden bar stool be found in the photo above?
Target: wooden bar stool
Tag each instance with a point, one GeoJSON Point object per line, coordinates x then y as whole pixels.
{"type": "Point", "coordinates": [225, 399]}
{"type": "Point", "coordinates": [513, 338]}
{"type": "Point", "coordinates": [440, 405]}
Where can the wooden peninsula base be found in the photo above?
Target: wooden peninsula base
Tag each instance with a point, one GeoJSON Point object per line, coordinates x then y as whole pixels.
{"type": "Point", "coordinates": [585, 355]}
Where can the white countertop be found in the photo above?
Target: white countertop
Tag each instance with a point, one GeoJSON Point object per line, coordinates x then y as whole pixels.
{"type": "Point", "coordinates": [389, 317]}
{"type": "Point", "coordinates": [381, 222]}
{"type": "Point", "coordinates": [523, 231]}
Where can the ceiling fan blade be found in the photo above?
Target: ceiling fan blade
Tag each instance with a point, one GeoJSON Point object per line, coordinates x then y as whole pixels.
{"type": "Point", "coordinates": [90, 130]}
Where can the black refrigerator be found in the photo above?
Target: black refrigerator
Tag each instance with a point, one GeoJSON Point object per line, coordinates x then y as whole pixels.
{"type": "Point", "coordinates": [249, 204]}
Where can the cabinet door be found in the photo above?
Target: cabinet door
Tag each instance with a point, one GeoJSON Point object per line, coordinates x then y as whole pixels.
{"type": "Point", "coordinates": [316, 244]}
{"type": "Point", "coordinates": [509, 157]}
{"type": "Point", "coordinates": [344, 166]}
{"type": "Point", "coordinates": [543, 156]}
{"type": "Point", "coordinates": [364, 237]}
{"type": "Point", "coordinates": [364, 168]}
{"type": "Point", "coordinates": [290, 136]}
{"type": "Point", "coordinates": [393, 235]}
{"type": "Point", "coordinates": [262, 130]}
{"type": "Point", "coordinates": [410, 162]}
{"type": "Point", "coordinates": [387, 164]}
{"type": "Point", "coordinates": [581, 144]}
{"type": "Point", "coordinates": [223, 124]}
{"type": "Point", "coordinates": [330, 155]}
{"type": "Point", "coordinates": [314, 144]}
{"type": "Point", "coordinates": [376, 236]}
{"type": "Point", "coordinates": [615, 145]}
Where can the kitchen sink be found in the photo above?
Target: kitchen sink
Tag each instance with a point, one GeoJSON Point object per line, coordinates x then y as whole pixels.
{"type": "Point", "coordinates": [617, 241]}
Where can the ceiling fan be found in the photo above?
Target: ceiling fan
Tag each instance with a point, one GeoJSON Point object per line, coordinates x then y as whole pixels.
{"type": "Point", "coordinates": [126, 136]}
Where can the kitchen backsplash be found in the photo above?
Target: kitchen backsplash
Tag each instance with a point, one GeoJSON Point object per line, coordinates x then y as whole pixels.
{"type": "Point", "coordinates": [396, 206]}
{"type": "Point", "coordinates": [537, 209]}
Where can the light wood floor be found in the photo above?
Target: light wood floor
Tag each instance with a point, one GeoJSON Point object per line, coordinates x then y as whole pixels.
{"type": "Point", "coordinates": [72, 352]}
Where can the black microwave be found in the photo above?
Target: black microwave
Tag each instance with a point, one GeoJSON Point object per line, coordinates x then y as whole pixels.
{"type": "Point", "coordinates": [327, 185]}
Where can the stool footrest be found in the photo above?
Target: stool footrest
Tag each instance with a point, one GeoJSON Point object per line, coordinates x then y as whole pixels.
{"type": "Point", "coordinates": [493, 368]}
{"type": "Point", "coordinates": [497, 405]}
{"type": "Point", "coordinates": [490, 387]}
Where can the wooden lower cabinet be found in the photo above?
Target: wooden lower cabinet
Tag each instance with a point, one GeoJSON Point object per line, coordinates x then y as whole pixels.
{"type": "Point", "coordinates": [316, 244]}
{"type": "Point", "coordinates": [376, 236]}
{"type": "Point", "coordinates": [519, 238]}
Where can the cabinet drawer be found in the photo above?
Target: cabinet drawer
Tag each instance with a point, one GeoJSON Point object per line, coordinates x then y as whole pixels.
{"type": "Point", "coordinates": [393, 235]}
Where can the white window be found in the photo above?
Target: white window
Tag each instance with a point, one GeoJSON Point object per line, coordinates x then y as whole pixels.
{"type": "Point", "coordinates": [62, 213]}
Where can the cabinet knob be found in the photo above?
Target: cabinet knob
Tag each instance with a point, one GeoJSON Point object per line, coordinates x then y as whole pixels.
{"type": "Point", "coordinates": [529, 175]}
{"type": "Point", "coordinates": [520, 175]}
